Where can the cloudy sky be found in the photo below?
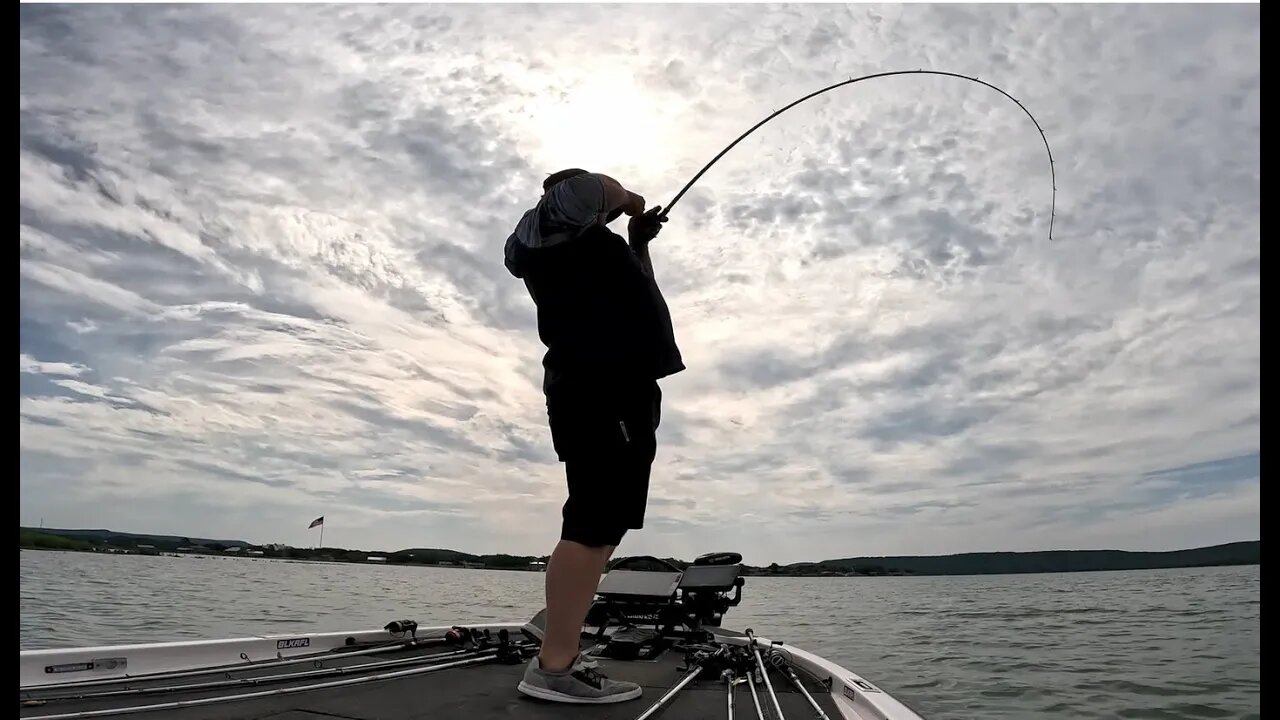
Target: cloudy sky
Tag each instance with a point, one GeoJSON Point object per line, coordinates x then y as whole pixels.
{"type": "Point", "coordinates": [261, 272]}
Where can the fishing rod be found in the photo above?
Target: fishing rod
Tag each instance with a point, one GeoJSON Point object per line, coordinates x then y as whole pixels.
{"type": "Point", "coordinates": [730, 682]}
{"type": "Point", "coordinates": [352, 669]}
{"type": "Point", "coordinates": [454, 636]}
{"type": "Point", "coordinates": [755, 697]}
{"type": "Point", "coordinates": [317, 658]}
{"type": "Point", "coordinates": [701, 661]}
{"type": "Point", "coordinates": [1053, 201]}
{"type": "Point", "coordinates": [764, 672]}
{"type": "Point", "coordinates": [500, 654]}
{"type": "Point", "coordinates": [783, 664]}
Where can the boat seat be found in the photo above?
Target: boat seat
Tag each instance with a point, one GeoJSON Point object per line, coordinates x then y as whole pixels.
{"type": "Point", "coordinates": [639, 585]}
{"type": "Point", "coordinates": [713, 578]}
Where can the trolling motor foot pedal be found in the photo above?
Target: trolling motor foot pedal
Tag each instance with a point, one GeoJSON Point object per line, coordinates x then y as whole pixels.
{"type": "Point", "coordinates": [634, 644]}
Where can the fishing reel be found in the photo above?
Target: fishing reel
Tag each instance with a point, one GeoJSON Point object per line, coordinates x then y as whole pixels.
{"type": "Point", "coordinates": [513, 653]}
{"type": "Point", "coordinates": [777, 658]}
{"type": "Point", "coordinates": [473, 640]}
{"type": "Point", "coordinates": [470, 638]}
{"type": "Point", "coordinates": [715, 660]}
{"type": "Point", "coordinates": [400, 627]}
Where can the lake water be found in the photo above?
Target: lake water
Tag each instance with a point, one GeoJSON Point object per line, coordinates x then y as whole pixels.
{"type": "Point", "coordinates": [1147, 644]}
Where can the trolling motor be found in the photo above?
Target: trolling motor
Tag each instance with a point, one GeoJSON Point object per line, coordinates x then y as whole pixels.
{"type": "Point", "coordinates": [704, 594]}
{"type": "Point", "coordinates": [696, 598]}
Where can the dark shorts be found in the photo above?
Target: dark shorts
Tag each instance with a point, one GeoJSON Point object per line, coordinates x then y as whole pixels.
{"type": "Point", "coordinates": [607, 443]}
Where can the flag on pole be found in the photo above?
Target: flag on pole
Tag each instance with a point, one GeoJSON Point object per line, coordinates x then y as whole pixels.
{"type": "Point", "coordinates": [316, 523]}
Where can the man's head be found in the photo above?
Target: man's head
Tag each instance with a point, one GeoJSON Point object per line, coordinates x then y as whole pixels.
{"type": "Point", "coordinates": [555, 178]}
{"type": "Point", "coordinates": [615, 199]}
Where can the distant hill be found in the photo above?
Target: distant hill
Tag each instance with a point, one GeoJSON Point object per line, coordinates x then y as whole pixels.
{"type": "Point", "coordinates": [984, 563]}
{"type": "Point", "coordinates": [112, 537]}
{"type": "Point", "coordinates": [44, 541]}
{"type": "Point", "coordinates": [435, 556]}
{"type": "Point", "coordinates": [431, 555]}
{"type": "Point", "coordinates": [995, 563]}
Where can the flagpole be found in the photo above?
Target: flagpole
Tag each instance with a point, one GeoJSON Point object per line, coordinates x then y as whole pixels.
{"type": "Point", "coordinates": [318, 521]}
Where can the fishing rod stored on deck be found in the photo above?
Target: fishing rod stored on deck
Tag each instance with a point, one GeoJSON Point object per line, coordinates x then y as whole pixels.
{"type": "Point", "coordinates": [764, 672]}
{"type": "Point", "coordinates": [734, 665]}
{"type": "Point", "coordinates": [783, 664]}
{"type": "Point", "coordinates": [701, 661]}
{"type": "Point", "coordinates": [484, 652]}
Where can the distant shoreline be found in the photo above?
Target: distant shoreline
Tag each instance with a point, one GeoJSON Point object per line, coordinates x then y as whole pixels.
{"type": "Point", "coordinates": [748, 571]}
{"type": "Point", "coordinates": [984, 563]}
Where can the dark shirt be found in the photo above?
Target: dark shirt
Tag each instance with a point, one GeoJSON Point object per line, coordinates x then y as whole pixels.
{"type": "Point", "coordinates": [603, 319]}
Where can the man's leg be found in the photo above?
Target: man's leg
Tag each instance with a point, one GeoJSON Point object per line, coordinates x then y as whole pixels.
{"type": "Point", "coordinates": [596, 517]}
{"type": "Point", "coordinates": [590, 532]}
{"type": "Point", "coordinates": [607, 468]}
{"type": "Point", "coordinates": [573, 572]}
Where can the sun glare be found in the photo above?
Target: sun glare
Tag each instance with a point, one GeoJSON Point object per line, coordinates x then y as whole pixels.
{"type": "Point", "coordinates": [605, 123]}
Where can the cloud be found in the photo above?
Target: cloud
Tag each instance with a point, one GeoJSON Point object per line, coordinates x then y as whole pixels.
{"type": "Point", "coordinates": [29, 364]}
{"type": "Point", "coordinates": [261, 273]}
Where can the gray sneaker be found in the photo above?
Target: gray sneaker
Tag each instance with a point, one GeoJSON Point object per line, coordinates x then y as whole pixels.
{"type": "Point", "coordinates": [578, 684]}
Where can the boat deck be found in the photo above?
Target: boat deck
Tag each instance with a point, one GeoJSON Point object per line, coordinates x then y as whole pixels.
{"type": "Point", "coordinates": [480, 691]}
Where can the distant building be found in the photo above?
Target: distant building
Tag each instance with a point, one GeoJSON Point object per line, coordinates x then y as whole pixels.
{"type": "Point", "coordinates": [376, 559]}
{"type": "Point", "coordinates": [233, 549]}
{"type": "Point", "coordinates": [256, 552]}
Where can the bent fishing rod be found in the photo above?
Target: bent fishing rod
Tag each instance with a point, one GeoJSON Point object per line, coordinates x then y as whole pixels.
{"type": "Point", "coordinates": [1053, 201]}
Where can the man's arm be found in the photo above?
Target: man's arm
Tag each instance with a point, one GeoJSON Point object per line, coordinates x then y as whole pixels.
{"type": "Point", "coordinates": [617, 197]}
{"type": "Point", "coordinates": [640, 231]}
{"type": "Point", "coordinates": [641, 250]}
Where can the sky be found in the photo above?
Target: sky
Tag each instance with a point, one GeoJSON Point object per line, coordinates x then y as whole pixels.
{"type": "Point", "coordinates": [261, 272]}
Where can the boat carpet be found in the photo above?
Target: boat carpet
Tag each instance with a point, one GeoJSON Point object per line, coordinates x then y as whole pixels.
{"type": "Point", "coordinates": [480, 692]}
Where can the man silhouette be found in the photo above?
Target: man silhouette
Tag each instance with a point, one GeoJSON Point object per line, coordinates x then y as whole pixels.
{"type": "Point", "coordinates": [609, 340]}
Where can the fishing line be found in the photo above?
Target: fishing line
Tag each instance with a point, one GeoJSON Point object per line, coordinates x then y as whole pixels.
{"type": "Point", "coordinates": [1053, 201]}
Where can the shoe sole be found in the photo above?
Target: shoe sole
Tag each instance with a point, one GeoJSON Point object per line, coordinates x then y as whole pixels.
{"type": "Point", "coordinates": [553, 696]}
